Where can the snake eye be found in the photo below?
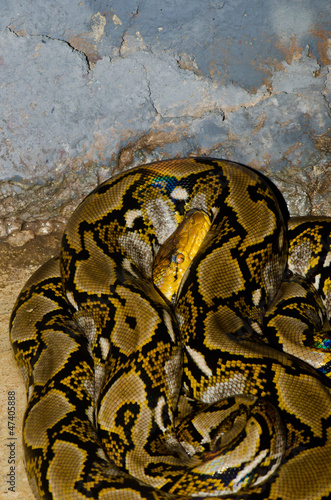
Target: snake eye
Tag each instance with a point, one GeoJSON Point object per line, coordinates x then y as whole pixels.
{"type": "Point", "coordinates": [178, 258]}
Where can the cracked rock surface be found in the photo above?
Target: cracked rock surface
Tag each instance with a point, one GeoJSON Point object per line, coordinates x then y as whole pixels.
{"type": "Point", "coordinates": [90, 88]}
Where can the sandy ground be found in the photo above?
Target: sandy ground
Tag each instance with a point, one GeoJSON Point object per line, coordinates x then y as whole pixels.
{"type": "Point", "coordinates": [16, 266]}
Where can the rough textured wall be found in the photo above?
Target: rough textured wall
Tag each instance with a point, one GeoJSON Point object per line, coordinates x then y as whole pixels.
{"type": "Point", "coordinates": [89, 88]}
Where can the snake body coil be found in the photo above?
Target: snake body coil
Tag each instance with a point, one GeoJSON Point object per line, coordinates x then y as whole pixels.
{"type": "Point", "coordinates": [219, 389]}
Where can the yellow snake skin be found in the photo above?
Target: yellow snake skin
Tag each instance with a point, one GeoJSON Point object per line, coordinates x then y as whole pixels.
{"type": "Point", "coordinates": [176, 254]}
{"type": "Point", "coordinates": [221, 388]}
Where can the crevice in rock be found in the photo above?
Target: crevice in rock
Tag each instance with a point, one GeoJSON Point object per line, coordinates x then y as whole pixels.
{"type": "Point", "coordinates": [149, 90]}
{"type": "Point", "coordinates": [47, 37]}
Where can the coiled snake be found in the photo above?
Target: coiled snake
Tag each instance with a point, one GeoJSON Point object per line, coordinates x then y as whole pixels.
{"type": "Point", "coordinates": [218, 387]}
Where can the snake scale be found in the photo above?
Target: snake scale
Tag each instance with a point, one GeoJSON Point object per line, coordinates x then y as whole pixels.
{"type": "Point", "coordinates": [220, 389]}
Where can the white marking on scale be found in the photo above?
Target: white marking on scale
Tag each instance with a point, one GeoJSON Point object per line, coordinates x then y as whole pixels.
{"type": "Point", "coordinates": [179, 193]}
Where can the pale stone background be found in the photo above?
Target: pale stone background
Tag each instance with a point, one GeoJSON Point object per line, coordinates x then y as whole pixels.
{"type": "Point", "coordinates": [89, 88]}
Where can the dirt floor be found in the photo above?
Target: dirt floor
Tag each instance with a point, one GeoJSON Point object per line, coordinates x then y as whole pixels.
{"type": "Point", "coordinates": [16, 266]}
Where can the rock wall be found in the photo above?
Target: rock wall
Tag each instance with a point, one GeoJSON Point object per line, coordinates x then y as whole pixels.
{"type": "Point", "coordinates": [91, 88]}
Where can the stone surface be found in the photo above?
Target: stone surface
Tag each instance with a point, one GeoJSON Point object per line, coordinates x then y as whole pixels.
{"type": "Point", "coordinates": [90, 88]}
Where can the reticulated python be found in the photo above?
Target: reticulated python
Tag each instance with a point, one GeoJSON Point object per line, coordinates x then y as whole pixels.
{"type": "Point", "coordinates": [218, 387]}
